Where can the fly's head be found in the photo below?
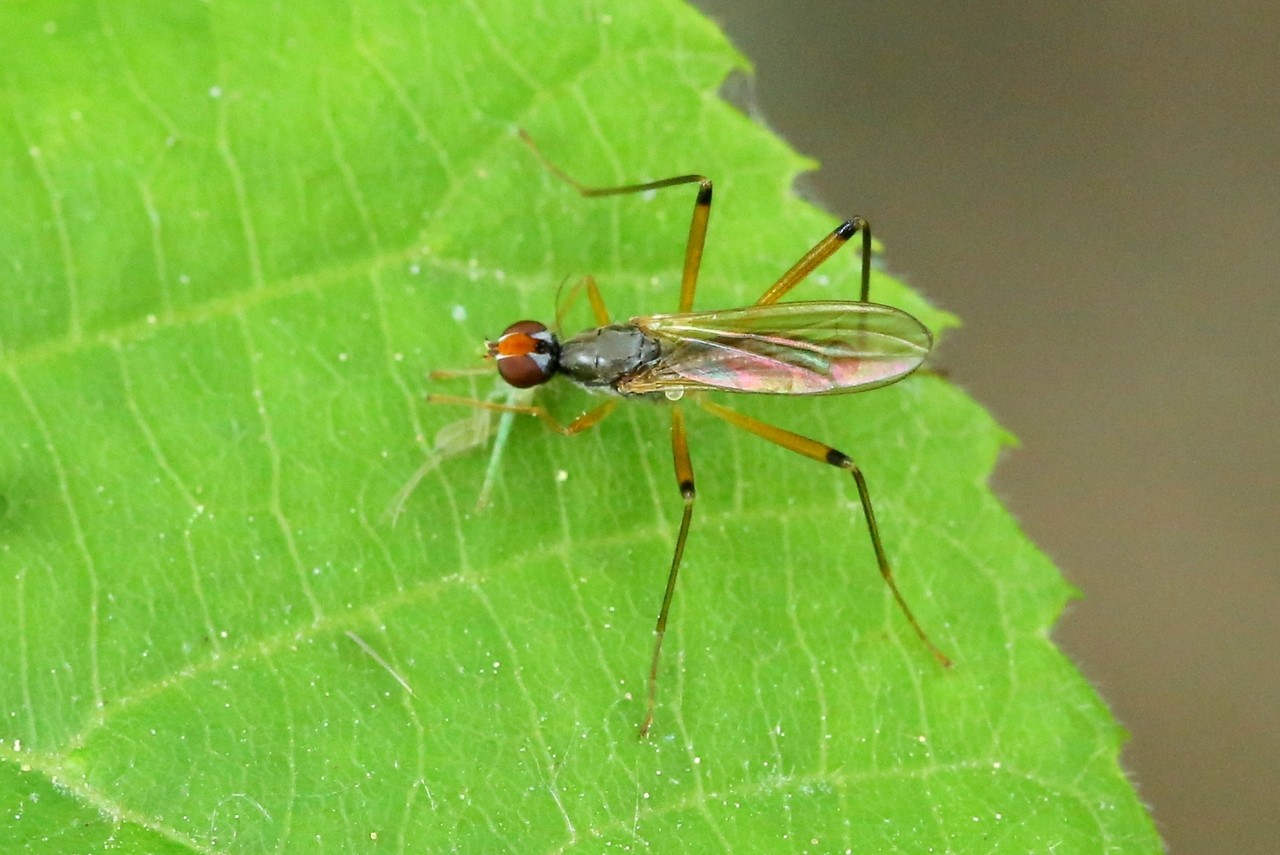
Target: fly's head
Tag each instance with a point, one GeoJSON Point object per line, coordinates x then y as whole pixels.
{"type": "Point", "coordinates": [527, 354]}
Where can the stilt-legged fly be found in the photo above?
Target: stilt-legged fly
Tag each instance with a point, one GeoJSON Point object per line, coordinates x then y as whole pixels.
{"type": "Point", "coordinates": [771, 348]}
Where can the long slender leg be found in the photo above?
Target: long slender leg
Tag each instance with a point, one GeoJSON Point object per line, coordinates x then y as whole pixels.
{"type": "Point", "coordinates": [587, 420]}
{"type": "Point", "coordinates": [823, 250]}
{"type": "Point", "coordinates": [697, 227]}
{"type": "Point", "coordinates": [826, 454]}
{"type": "Point", "coordinates": [684, 478]}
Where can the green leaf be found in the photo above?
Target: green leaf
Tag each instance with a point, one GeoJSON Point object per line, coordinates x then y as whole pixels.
{"type": "Point", "coordinates": [235, 238]}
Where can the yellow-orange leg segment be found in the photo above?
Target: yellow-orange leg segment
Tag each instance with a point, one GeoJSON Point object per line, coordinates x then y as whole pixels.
{"type": "Point", "coordinates": [821, 251]}
{"type": "Point", "coordinates": [586, 421]}
{"type": "Point", "coordinates": [826, 454]}
{"type": "Point", "coordinates": [697, 226]}
{"type": "Point", "coordinates": [684, 479]}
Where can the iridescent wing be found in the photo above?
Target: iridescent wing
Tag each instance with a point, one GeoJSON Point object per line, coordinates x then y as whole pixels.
{"type": "Point", "coordinates": [798, 348]}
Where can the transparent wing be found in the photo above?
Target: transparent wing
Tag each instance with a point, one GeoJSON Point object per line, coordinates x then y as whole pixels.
{"type": "Point", "coordinates": [800, 348]}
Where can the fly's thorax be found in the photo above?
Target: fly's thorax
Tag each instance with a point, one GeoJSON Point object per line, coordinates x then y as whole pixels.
{"type": "Point", "coordinates": [606, 355]}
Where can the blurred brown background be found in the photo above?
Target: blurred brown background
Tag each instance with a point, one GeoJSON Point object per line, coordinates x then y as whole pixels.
{"type": "Point", "coordinates": [1095, 188]}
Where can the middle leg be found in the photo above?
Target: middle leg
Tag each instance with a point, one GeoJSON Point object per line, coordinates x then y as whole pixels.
{"type": "Point", "coordinates": [821, 251]}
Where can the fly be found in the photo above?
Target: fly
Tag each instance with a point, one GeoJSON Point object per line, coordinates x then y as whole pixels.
{"type": "Point", "coordinates": [769, 347]}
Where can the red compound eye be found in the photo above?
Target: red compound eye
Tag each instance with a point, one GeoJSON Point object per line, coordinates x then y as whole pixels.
{"type": "Point", "coordinates": [526, 353]}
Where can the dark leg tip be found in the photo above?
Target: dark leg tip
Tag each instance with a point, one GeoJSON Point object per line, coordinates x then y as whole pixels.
{"type": "Point", "coordinates": [839, 459]}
